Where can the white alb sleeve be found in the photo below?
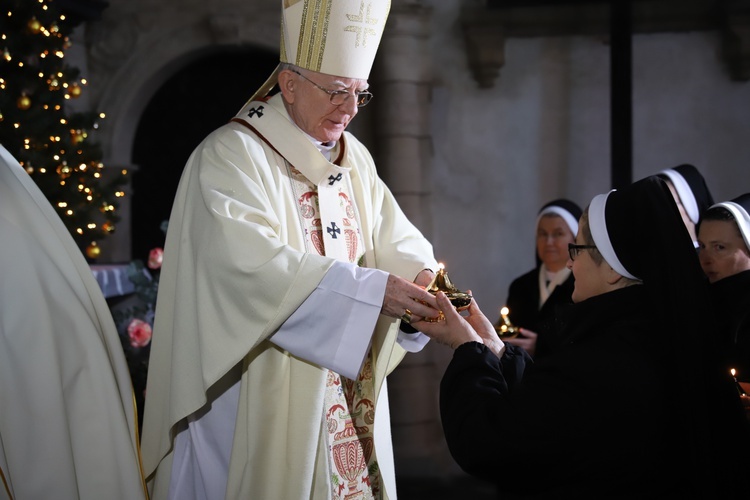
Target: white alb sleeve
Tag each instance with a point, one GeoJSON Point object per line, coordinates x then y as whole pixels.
{"type": "Point", "coordinates": [334, 326]}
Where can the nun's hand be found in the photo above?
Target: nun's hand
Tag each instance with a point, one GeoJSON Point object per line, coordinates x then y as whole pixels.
{"type": "Point", "coordinates": [527, 340]}
{"type": "Point", "coordinates": [484, 328]}
{"type": "Point", "coordinates": [452, 331]}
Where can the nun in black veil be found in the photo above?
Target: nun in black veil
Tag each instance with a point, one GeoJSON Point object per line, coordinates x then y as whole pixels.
{"type": "Point", "coordinates": [690, 192]}
{"type": "Point", "coordinates": [534, 297]}
{"type": "Point", "coordinates": [634, 403]}
{"type": "Point", "coordinates": [724, 253]}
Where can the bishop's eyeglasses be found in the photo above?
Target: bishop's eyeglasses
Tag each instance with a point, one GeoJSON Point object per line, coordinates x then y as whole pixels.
{"type": "Point", "coordinates": [339, 97]}
{"type": "Point", "coordinates": [574, 250]}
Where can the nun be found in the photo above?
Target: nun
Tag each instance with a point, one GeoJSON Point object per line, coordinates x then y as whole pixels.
{"type": "Point", "coordinates": [534, 297]}
{"type": "Point", "coordinates": [724, 253]}
{"type": "Point", "coordinates": [631, 405]}
{"type": "Point", "coordinates": [690, 192]}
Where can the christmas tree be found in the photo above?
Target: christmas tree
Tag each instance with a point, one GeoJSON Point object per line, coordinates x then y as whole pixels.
{"type": "Point", "coordinates": [51, 141]}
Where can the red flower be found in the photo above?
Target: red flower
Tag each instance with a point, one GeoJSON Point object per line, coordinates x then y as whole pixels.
{"type": "Point", "coordinates": [155, 257]}
{"type": "Point", "coordinates": [139, 332]}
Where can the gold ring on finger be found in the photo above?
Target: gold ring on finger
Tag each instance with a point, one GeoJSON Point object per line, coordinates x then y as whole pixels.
{"type": "Point", "coordinates": [406, 316]}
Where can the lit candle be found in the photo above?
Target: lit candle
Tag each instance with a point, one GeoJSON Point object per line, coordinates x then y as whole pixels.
{"type": "Point", "coordinates": [736, 383]}
{"type": "Point", "coordinates": [441, 282]}
{"type": "Point", "coordinates": [506, 329]}
{"type": "Point", "coordinates": [504, 314]}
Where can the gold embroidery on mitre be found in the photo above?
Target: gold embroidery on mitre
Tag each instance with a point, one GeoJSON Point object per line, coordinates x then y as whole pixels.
{"type": "Point", "coordinates": [282, 44]}
{"type": "Point", "coordinates": [362, 18]}
{"type": "Point", "coordinates": [313, 34]}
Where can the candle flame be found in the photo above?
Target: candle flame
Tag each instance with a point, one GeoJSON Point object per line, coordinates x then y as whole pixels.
{"type": "Point", "coordinates": [504, 311]}
{"type": "Point", "coordinates": [441, 266]}
{"type": "Point", "coordinates": [733, 371]}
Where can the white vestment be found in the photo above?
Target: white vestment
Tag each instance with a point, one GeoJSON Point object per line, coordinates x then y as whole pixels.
{"type": "Point", "coordinates": [238, 271]}
{"type": "Point", "coordinates": [67, 412]}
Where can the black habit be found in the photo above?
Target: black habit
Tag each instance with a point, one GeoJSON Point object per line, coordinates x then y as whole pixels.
{"type": "Point", "coordinates": [599, 418]}
{"type": "Point", "coordinates": [731, 298]}
{"type": "Point", "coordinates": [523, 304]}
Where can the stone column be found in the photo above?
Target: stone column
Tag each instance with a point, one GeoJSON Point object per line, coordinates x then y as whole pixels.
{"type": "Point", "coordinates": [403, 77]}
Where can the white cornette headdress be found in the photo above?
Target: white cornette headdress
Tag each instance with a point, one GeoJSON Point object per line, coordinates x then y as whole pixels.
{"type": "Point", "coordinates": [740, 214]}
{"type": "Point", "coordinates": [691, 188]}
{"type": "Point", "coordinates": [335, 37]}
{"type": "Point", "coordinates": [685, 193]}
{"type": "Point", "coordinates": [569, 211]}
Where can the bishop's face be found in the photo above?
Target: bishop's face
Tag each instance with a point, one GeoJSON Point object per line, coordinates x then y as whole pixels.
{"type": "Point", "coordinates": [310, 107]}
{"type": "Point", "coordinates": [721, 249]}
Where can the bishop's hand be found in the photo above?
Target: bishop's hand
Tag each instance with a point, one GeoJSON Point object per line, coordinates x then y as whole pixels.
{"type": "Point", "coordinates": [408, 301]}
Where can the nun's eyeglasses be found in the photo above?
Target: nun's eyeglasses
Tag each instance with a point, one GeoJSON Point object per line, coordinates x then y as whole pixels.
{"type": "Point", "coordinates": [574, 250]}
{"type": "Point", "coordinates": [339, 97]}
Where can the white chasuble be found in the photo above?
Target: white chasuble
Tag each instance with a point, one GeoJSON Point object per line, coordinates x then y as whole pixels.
{"type": "Point", "coordinates": [247, 249]}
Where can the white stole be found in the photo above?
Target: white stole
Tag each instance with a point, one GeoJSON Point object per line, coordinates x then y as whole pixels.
{"type": "Point", "coordinates": [306, 158]}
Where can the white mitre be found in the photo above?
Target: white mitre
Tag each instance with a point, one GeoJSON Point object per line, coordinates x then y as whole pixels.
{"type": "Point", "coordinates": [335, 37]}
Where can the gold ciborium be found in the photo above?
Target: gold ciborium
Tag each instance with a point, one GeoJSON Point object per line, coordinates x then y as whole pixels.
{"type": "Point", "coordinates": [505, 329]}
{"type": "Point", "coordinates": [442, 283]}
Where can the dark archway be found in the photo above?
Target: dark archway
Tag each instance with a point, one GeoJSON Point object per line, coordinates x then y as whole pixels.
{"type": "Point", "coordinates": [196, 100]}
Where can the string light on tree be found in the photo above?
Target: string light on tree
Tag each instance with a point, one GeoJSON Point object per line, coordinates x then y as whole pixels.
{"type": "Point", "coordinates": [74, 90]}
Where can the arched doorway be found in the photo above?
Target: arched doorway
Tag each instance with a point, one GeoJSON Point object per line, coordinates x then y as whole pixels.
{"type": "Point", "coordinates": [202, 96]}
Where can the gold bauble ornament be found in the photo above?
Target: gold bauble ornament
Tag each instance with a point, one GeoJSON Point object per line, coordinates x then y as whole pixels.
{"type": "Point", "coordinates": [23, 103]}
{"type": "Point", "coordinates": [77, 136]}
{"type": "Point", "coordinates": [74, 90]}
{"type": "Point", "coordinates": [34, 25]}
{"type": "Point", "coordinates": [93, 251]}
